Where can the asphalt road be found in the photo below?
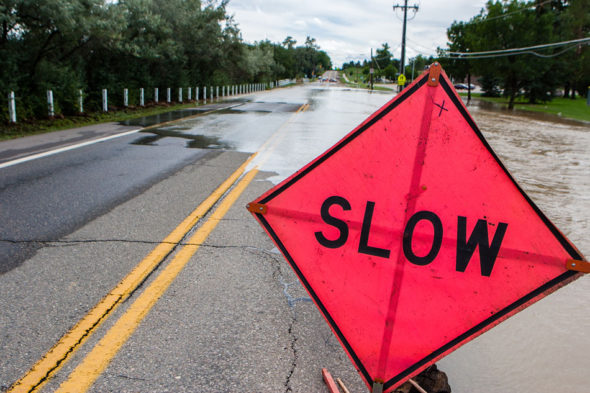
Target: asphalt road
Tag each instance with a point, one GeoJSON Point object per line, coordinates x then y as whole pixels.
{"type": "Point", "coordinates": [46, 199]}
{"type": "Point", "coordinates": [73, 225]}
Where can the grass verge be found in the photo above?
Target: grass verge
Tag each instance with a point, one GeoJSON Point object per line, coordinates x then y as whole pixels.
{"type": "Point", "coordinates": [563, 107]}
{"type": "Point", "coordinates": [363, 85]}
{"type": "Point", "coordinates": [366, 86]}
{"type": "Point", "coordinates": [32, 127]}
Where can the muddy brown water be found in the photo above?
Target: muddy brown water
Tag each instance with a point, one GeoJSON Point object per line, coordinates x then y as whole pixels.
{"type": "Point", "coordinates": [542, 348]}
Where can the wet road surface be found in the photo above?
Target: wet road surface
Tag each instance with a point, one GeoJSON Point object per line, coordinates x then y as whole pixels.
{"type": "Point", "coordinates": [236, 317]}
{"type": "Point", "coordinates": [48, 198]}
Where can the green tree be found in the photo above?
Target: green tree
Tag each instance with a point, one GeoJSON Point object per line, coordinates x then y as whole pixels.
{"type": "Point", "coordinates": [285, 60]}
{"type": "Point", "coordinates": [507, 25]}
{"type": "Point", "coordinates": [310, 43]}
{"type": "Point", "coordinates": [261, 64]}
{"type": "Point", "coordinates": [461, 38]}
{"type": "Point", "coordinates": [69, 45]}
{"type": "Point", "coordinates": [390, 72]}
{"type": "Point", "coordinates": [289, 42]}
{"type": "Point", "coordinates": [44, 43]}
{"type": "Point", "coordinates": [383, 56]}
{"type": "Point", "coordinates": [418, 64]}
{"type": "Point", "coordinates": [309, 60]}
{"type": "Point", "coordinates": [574, 65]}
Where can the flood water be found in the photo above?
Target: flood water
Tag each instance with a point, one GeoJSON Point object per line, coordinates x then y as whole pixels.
{"type": "Point", "coordinates": [541, 348]}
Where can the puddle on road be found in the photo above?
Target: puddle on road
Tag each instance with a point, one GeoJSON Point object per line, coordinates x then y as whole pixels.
{"type": "Point", "coordinates": [147, 121]}
{"type": "Point", "coordinates": [207, 132]}
{"type": "Point", "coordinates": [260, 106]}
{"type": "Point", "coordinates": [162, 117]}
{"type": "Point", "coordinates": [193, 141]}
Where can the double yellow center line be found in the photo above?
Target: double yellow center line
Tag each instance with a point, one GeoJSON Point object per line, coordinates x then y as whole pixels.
{"type": "Point", "coordinates": [64, 348]}
{"type": "Point", "coordinates": [101, 355]}
{"type": "Point", "coordinates": [97, 360]}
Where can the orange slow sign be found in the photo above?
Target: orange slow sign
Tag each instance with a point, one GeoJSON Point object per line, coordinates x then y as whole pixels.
{"type": "Point", "coordinates": [411, 236]}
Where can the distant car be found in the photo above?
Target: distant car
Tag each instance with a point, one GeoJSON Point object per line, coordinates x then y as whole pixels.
{"type": "Point", "coordinates": [463, 86]}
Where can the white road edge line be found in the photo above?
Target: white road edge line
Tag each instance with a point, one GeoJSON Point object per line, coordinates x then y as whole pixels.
{"type": "Point", "coordinates": [66, 148]}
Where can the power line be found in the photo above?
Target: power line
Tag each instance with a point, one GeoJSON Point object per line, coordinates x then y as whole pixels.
{"type": "Point", "coordinates": [512, 54]}
{"type": "Point", "coordinates": [420, 45]}
{"type": "Point", "coordinates": [517, 51]}
{"type": "Point", "coordinates": [487, 19]}
{"type": "Point", "coordinates": [554, 54]}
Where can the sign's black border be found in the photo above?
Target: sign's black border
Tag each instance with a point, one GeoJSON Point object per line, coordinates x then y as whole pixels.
{"type": "Point", "coordinates": [476, 329]}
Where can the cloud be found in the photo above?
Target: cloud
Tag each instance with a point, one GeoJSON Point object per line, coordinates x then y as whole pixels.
{"type": "Point", "coordinates": [348, 29]}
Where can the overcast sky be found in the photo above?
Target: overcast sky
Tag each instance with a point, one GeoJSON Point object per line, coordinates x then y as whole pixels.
{"type": "Point", "coordinates": [348, 29]}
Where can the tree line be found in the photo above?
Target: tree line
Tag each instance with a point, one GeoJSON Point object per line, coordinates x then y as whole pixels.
{"type": "Point", "coordinates": [68, 45]}
{"type": "Point", "coordinates": [535, 74]}
{"type": "Point", "coordinates": [385, 66]}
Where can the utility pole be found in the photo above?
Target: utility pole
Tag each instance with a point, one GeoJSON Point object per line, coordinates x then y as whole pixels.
{"type": "Point", "coordinates": [405, 8]}
{"type": "Point", "coordinates": [371, 69]}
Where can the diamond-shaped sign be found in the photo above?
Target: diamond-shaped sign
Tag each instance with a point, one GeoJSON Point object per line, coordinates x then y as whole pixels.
{"type": "Point", "coordinates": [411, 236]}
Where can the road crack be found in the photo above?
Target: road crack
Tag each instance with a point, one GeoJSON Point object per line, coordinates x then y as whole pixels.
{"type": "Point", "coordinates": [73, 242]}
{"type": "Point", "coordinates": [276, 264]}
{"type": "Point", "coordinates": [293, 336]}
{"type": "Point", "coordinates": [131, 378]}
